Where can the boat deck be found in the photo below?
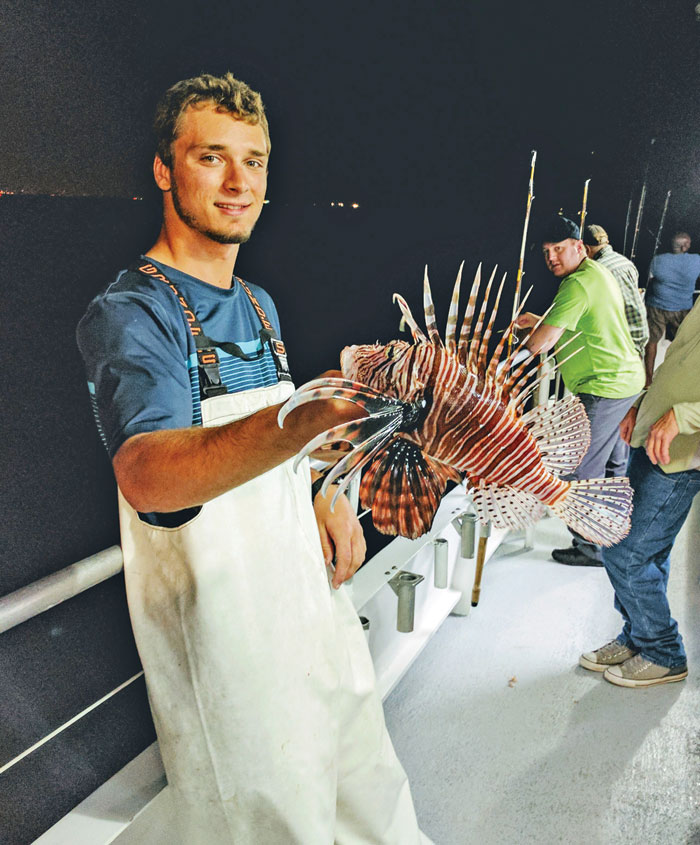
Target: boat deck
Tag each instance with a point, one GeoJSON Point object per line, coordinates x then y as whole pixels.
{"type": "Point", "coordinates": [507, 740]}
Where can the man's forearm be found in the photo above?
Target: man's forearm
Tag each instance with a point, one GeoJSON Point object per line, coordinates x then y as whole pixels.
{"type": "Point", "coordinates": [544, 338]}
{"type": "Point", "coordinates": [180, 468]}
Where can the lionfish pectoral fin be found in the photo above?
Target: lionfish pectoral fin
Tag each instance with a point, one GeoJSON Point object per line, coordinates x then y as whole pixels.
{"type": "Point", "coordinates": [562, 433]}
{"type": "Point", "coordinates": [505, 506]}
{"type": "Point", "coordinates": [367, 430]}
{"type": "Point", "coordinates": [351, 464]}
{"type": "Point", "coordinates": [597, 508]}
{"type": "Point", "coordinates": [360, 394]}
{"type": "Point", "coordinates": [403, 487]}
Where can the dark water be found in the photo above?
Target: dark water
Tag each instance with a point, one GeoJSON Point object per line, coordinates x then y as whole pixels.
{"type": "Point", "coordinates": [332, 273]}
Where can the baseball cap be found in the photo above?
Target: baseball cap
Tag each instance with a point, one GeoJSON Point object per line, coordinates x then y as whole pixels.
{"type": "Point", "coordinates": [594, 235]}
{"type": "Point", "coordinates": [557, 228]}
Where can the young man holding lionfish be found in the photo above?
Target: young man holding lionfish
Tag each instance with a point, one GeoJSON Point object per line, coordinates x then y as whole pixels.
{"type": "Point", "coordinates": [607, 374]}
{"type": "Point", "coordinates": [259, 677]}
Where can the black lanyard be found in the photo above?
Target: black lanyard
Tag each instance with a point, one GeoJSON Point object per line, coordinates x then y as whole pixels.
{"type": "Point", "coordinates": [210, 383]}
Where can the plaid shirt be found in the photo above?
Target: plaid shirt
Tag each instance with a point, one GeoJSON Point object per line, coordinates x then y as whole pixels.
{"type": "Point", "coordinates": [627, 277]}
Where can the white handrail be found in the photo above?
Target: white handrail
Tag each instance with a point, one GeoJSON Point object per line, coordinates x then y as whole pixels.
{"type": "Point", "coordinates": [46, 593]}
{"type": "Point", "coordinates": [60, 586]}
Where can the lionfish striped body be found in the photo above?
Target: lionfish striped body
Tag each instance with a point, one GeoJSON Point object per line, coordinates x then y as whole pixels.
{"type": "Point", "coordinates": [443, 411]}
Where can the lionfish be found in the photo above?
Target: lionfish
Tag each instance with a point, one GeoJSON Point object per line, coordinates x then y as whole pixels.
{"type": "Point", "coordinates": [444, 411]}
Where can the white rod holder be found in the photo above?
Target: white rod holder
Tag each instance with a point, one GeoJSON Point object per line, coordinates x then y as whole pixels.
{"type": "Point", "coordinates": [468, 535]}
{"type": "Point", "coordinates": [404, 585]}
{"type": "Point", "coordinates": [440, 549]}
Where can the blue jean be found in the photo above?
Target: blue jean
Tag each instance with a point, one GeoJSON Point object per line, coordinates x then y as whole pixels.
{"type": "Point", "coordinates": [607, 454]}
{"type": "Point", "coordinates": [638, 566]}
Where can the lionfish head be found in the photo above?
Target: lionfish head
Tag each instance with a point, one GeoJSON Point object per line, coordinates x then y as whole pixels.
{"type": "Point", "coordinates": [388, 368]}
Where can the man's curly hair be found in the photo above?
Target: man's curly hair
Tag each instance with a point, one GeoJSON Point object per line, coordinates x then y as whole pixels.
{"type": "Point", "coordinates": [225, 92]}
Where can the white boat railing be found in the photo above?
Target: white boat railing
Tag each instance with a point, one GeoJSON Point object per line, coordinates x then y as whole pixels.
{"type": "Point", "coordinates": [42, 595]}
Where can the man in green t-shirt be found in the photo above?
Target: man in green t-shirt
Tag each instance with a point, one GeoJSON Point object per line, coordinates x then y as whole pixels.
{"type": "Point", "coordinates": [605, 372]}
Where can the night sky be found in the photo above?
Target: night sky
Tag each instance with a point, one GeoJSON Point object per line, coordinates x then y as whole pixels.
{"type": "Point", "coordinates": [430, 104]}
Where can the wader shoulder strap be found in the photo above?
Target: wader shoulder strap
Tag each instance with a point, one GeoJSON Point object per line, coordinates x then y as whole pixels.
{"type": "Point", "coordinates": [210, 382]}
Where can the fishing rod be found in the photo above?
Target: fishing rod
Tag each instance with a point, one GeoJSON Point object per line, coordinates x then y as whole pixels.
{"type": "Point", "coordinates": [582, 213]}
{"type": "Point", "coordinates": [627, 225]}
{"type": "Point", "coordinates": [659, 230]}
{"type": "Point", "coordinates": [640, 208]}
{"type": "Point", "coordinates": [661, 224]}
{"type": "Point", "coordinates": [521, 262]}
{"type": "Point", "coordinates": [640, 211]}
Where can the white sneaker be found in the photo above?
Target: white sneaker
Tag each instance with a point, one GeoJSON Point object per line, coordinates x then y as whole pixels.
{"type": "Point", "coordinates": [611, 654]}
{"type": "Point", "coordinates": [638, 672]}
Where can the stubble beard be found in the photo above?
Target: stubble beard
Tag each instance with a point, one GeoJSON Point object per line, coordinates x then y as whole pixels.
{"type": "Point", "coordinates": [213, 235]}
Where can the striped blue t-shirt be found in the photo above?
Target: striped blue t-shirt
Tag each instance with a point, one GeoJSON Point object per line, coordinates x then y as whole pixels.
{"type": "Point", "coordinates": [140, 355]}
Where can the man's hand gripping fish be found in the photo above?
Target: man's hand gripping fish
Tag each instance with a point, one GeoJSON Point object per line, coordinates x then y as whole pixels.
{"type": "Point", "coordinates": [442, 411]}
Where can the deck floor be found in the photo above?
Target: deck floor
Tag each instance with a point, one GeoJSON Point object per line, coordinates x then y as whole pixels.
{"type": "Point", "coordinates": [507, 740]}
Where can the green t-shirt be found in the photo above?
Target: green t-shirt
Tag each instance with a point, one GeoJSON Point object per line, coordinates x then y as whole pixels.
{"type": "Point", "coordinates": [589, 301]}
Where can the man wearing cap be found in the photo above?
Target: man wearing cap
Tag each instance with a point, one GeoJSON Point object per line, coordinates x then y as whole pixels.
{"type": "Point", "coordinates": [597, 244]}
{"type": "Point", "coordinates": [669, 294]}
{"type": "Point", "coordinates": [606, 373]}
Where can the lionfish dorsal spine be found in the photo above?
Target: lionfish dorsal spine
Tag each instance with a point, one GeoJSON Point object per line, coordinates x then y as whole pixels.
{"type": "Point", "coordinates": [418, 335]}
{"type": "Point", "coordinates": [451, 328]}
{"type": "Point", "coordinates": [475, 342]}
{"type": "Point", "coordinates": [429, 309]}
{"type": "Point", "coordinates": [516, 389]}
{"type": "Point", "coordinates": [523, 343]}
{"type": "Point", "coordinates": [484, 346]}
{"type": "Point", "coordinates": [520, 397]}
{"type": "Point", "coordinates": [496, 357]}
{"type": "Point", "coordinates": [538, 372]}
{"type": "Point", "coordinates": [518, 372]}
{"type": "Point", "coordinates": [463, 345]}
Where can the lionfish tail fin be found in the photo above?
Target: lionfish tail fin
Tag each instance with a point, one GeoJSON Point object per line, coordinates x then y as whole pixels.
{"type": "Point", "coordinates": [562, 433]}
{"type": "Point", "coordinates": [505, 506]}
{"type": "Point", "coordinates": [598, 509]}
{"type": "Point", "coordinates": [403, 488]}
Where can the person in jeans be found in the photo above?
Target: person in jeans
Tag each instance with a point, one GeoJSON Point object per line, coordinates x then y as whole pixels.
{"type": "Point", "coordinates": [663, 429]}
